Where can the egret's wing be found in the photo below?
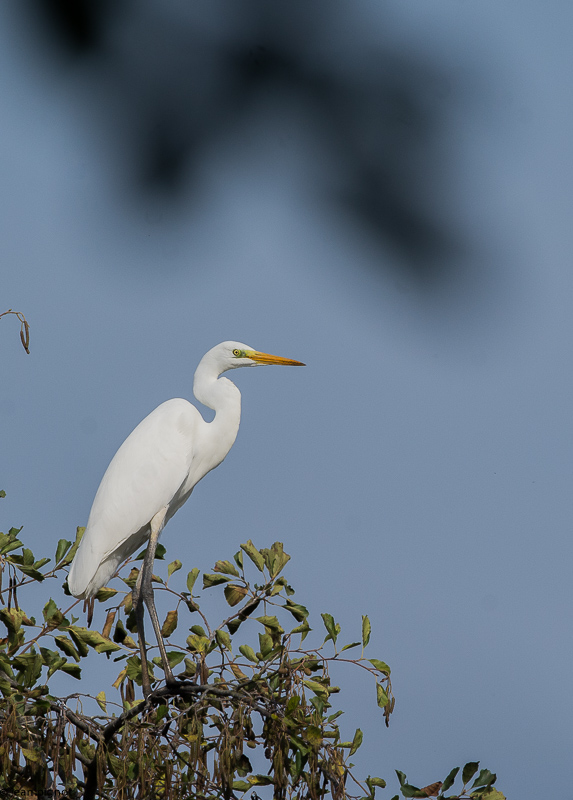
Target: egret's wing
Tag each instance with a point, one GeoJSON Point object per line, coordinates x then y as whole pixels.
{"type": "Point", "coordinates": [144, 476]}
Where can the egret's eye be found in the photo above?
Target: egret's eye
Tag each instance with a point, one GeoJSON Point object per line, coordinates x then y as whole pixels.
{"type": "Point", "coordinates": [236, 353]}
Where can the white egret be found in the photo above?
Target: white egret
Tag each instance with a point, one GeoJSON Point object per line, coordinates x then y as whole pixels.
{"type": "Point", "coordinates": [152, 475]}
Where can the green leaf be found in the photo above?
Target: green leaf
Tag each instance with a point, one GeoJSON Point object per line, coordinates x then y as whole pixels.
{"type": "Point", "coordinates": [370, 782]}
{"type": "Point", "coordinates": [314, 735]}
{"type": "Point", "coordinates": [331, 627]}
{"type": "Point", "coordinates": [27, 569]}
{"type": "Point", "coordinates": [348, 646]}
{"type": "Point", "coordinates": [271, 624]}
{"type": "Point", "coordinates": [198, 644]}
{"type": "Point", "coordinates": [234, 594]}
{"type": "Point", "coordinates": [260, 780]}
{"type": "Point", "coordinates": [381, 666]}
{"type": "Point", "coordinates": [12, 619]}
{"type": "Point", "coordinates": [249, 608]}
{"type": "Point", "coordinates": [133, 669]}
{"type": "Point", "coordinates": [34, 756]}
{"type": "Point", "coordinates": [213, 579]}
{"type": "Point", "coordinates": [303, 629]}
{"type": "Point", "coordinates": [257, 559]}
{"type": "Point", "coordinates": [449, 781]}
{"type": "Point", "coordinates": [105, 594]}
{"type": "Point", "coordinates": [8, 543]}
{"type": "Point", "coordinates": [366, 628]}
{"type": "Point", "coordinates": [2, 493]}
{"type": "Point", "coordinates": [173, 567]}
{"type": "Point", "coordinates": [318, 688]}
{"type": "Point", "coordinates": [356, 742]}
{"type": "Point", "coordinates": [402, 777]}
{"type": "Point", "coordinates": [381, 696]}
{"type": "Point", "coordinates": [72, 669]}
{"type": "Point", "coordinates": [301, 746]}
{"type": "Point", "coordinates": [469, 771]}
{"type": "Point", "coordinates": [275, 558]}
{"type": "Point", "coordinates": [169, 624]}
{"type": "Point", "coordinates": [174, 657]}
{"type": "Point", "coordinates": [101, 701]}
{"type": "Point", "coordinates": [107, 647]}
{"type": "Point", "coordinates": [249, 653]}
{"type": "Point", "coordinates": [131, 579]}
{"type": "Point", "coordinates": [485, 778]}
{"type": "Point", "coordinates": [292, 704]}
{"type": "Point", "coordinates": [69, 557]}
{"type": "Point", "coordinates": [62, 549]}
{"type": "Point", "coordinates": [79, 643]}
{"type": "Point", "coordinates": [159, 553]}
{"type": "Point", "coordinates": [319, 703]}
{"type": "Point", "coordinates": [407, 789]}
{"type": "Point", "coordinates": [67, 647]}
{"type": "Point", "coordinates": [227, 568]}
{"type": "Point", "coordinates": [115, 764]}
{"type": "Point", "coordinates": [5, 665]}
{"type": "Point", "coordinates": [491, 794]}
{"type": "Point", "coordinates": [278, 586]}
{"type": "Point", "coordinates": [300, 613]}
{"type": "Point", "coordinates": [120, 635]}
{"type": "Point", "coordinates": [191, 578]}
{"type": "Point", "coordinates": [48, 657]}
{"type": "Point", "coordinates": [93, 639]}
{"type": "Point", "coordinates": [190, 667]}
{"type": "Point", "coordinates": [265, 643]}
{"type": "Point", "coordinates": [223, 639]}
{"type": "Point", "coordinates": [29, 666]}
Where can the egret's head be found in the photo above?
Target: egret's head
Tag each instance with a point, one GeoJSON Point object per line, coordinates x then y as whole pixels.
{"type": "Point", "coordinates": [230, 355]}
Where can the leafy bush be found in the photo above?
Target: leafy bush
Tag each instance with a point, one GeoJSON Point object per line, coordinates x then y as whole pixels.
{"type": "Point", "coordinates": [239, 719]}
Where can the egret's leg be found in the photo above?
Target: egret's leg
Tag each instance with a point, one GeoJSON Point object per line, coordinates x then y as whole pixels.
{"type": "Point", "coordinates": [139, 614]}
{"type": "Point", "coordinates": [147, 589]}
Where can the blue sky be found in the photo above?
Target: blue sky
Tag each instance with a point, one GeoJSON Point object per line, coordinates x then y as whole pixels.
{"type": "Point", "coordinates": [419, 469]}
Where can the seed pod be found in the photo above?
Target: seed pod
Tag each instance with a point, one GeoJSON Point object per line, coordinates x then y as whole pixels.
{"type": "Point", "coordinates": [25, 335]}
{"type": "Point", "coordinates": [108, 623]}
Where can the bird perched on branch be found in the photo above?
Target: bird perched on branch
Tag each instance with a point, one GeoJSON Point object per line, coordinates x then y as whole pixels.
{"type": "Point", "coordinates": [152, 475]}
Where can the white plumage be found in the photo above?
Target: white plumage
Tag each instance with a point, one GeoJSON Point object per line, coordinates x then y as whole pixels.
{"type": "Point", "coordinates": [158, 465]}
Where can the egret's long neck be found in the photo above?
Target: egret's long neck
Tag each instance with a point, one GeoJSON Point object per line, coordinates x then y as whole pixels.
{"type": "Point", "coordinates": [224, 398]}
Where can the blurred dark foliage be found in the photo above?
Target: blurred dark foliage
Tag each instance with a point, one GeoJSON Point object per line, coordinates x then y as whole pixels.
{"type": "Point", "coordinates": [172, 78]}
{"type": "Point", "coordinates": [77, 26]}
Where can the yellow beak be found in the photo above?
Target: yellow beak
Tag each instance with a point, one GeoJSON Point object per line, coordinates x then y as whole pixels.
{"type": "Point", "coordinates": [265, 358]}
